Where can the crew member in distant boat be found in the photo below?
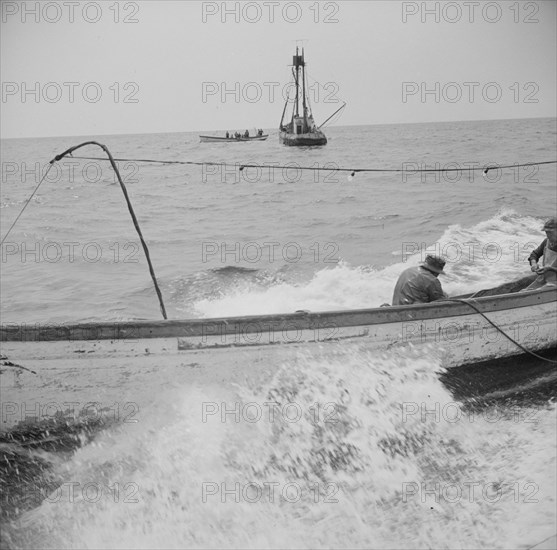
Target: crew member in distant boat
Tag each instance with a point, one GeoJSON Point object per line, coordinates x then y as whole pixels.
{"type": "Point", "coordinates": [227, 134]}
{"type": "Point", "coordinates": [420, 284]}
{"type": "Point", "coordinates": [246, 133]}
{"type": "Point", "coordinates": [259, 132]}
{"type": "Point", "coordinates": [547, 274]}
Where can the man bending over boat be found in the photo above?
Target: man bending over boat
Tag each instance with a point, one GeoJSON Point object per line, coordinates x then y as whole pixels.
{"type": "Point", "coordinates": [420, 284]}
{"type": "Point", "coordinates": [547, 274]}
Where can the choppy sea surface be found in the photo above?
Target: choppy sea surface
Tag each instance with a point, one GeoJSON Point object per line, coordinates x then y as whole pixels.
{"type": "Point", "coordinates": [226, 241]}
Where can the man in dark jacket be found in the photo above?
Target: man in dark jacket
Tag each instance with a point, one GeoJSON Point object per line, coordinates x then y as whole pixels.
{"type": "Point", "coordinates": [547, 273]}
{"type": "Point", "coordinates": [420, 284]}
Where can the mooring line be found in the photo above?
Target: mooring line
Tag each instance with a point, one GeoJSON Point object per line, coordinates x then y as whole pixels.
{"type": "Point", "coordinates": [25, 205]}
{"type": "Point", "coordinates": [6, 363]}
{"type": "Point", "coordinates": [526, 350]}
{"type": "Point", "coordinates": [130, 208]}
{"type": "Point", "coordinates": [541, 542]}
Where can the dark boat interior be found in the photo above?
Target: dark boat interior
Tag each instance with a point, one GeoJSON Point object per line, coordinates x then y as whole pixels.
{"type": "Point", "coordinates": [505, 288]}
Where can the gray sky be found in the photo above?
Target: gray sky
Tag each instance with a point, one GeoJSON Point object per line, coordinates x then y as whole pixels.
{"type": "Point", "coordinates": [70, 68]}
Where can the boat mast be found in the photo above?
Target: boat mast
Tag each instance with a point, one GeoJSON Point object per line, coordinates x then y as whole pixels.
{"type": "Point", "coordinates": [297, 65]}
{"type": "Point", "coordinates": [304, 92]}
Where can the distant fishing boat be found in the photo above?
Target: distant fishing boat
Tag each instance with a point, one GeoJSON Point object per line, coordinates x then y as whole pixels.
{"type": "Point", "coordinates": [301, 130]}
{"type": "Point", "coordinates": [232, 139]}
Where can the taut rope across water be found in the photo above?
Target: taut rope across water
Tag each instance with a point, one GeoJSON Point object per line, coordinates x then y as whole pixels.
{"type": "Point", "coordinates": [130, 208]}
{"type": "Point", "coordinates": [241, 167]}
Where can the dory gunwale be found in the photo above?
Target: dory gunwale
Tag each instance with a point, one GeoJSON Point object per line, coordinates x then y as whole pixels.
{"type": "Point", "coordinates": [222, 326]}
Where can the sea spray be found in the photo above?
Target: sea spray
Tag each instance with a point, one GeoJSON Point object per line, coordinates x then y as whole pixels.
{"type": "Point", "coordinates": [480, 256]}
{"type": "Point", "coordinates": [362, 451]}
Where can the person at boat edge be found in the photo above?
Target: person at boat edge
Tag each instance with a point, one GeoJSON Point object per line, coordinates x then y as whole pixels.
{"type": "Point", "coordinates": [420, 284]}
{"type": "Point", "coordinates": [547, 274]}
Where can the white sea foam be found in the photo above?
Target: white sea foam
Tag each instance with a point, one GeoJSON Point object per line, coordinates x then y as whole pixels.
{"type": "Point", "coordinates": [367, 476]}
{"type": "Point", "coordinates": [483, 255]}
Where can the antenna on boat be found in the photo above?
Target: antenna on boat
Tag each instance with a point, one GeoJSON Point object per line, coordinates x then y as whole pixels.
{"type": "Point", "coordinates": [337, 111]}
{"type": "Point", "coordinates": [300, 42]}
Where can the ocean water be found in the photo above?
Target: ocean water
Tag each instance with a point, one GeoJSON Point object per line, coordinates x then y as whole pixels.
{"type": "Point", "coordinates": [268, 240]}
{"type": "Point", "coordinates": [226, 241]}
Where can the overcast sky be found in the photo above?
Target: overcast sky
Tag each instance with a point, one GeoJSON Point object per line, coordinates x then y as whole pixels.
{"type": "Point", "coordinates": [86, 68]}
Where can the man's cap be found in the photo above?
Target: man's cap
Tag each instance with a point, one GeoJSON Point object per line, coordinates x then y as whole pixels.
{"type": "Point", "coordinates": [550, 224]}
{"type": "Point", "coordinates": [434, 263]}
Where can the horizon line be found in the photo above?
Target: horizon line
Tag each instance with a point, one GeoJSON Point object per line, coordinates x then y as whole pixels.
{"type": "Point", "coordinates": [335, 126]}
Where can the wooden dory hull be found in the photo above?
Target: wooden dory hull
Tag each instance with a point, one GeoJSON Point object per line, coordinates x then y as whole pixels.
{"type": "Point", "coordinates": [216, 139]}
{"type": "Point", "coordinates": [458, 334]}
